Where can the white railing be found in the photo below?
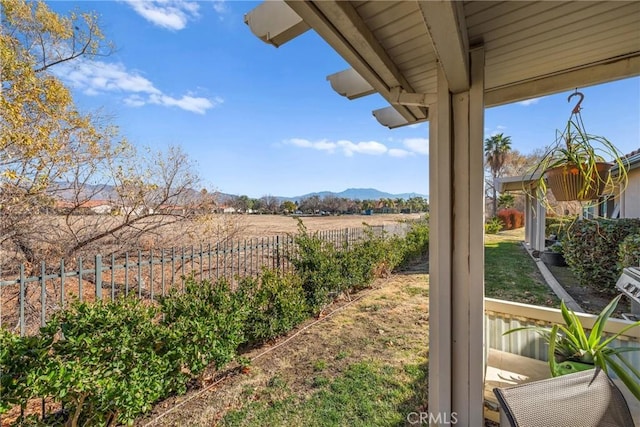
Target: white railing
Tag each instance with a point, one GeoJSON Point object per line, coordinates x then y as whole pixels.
{"type": "Point", "coordinates": [501, 316]}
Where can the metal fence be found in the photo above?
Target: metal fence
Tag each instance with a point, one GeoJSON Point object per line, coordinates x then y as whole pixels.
{"type": "Point", "coordinates": [27, 301]}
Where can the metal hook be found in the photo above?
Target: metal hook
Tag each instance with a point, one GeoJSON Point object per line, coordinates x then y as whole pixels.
{"type": "Point", "coordinates": [577, 108]}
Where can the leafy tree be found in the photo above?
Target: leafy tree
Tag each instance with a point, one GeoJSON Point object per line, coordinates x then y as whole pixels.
{"type": "Point", "coordinates": [288, 206]}
{"type": "Point", "coordinates": [496, 148]}
{"type": "Point", "coordinates": [506, 201]}
{"type": "Point", "coordinates": [55, 159]}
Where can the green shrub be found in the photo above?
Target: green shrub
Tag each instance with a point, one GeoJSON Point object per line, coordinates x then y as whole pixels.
{"type": "Point", "coordinates": [511, 218]}
{"type": "Point", "coordinates": [629, 252]}
{"type": "Point", "coordinates": [20, 360]}
{"type": "Point", "coordinates": [416, 241]}
{"type": "Point", "coordinates": [557, 225]}
{"type": "Point", "coordinates": [276, 304]}
{"type": "Point", "coordinates": [363, 261]}
{"type": "Point", "coordinates": [315, 262]}
{"type": "Point", "coordinates": [205, 323]}
{"type": "Point", "coordinates": [103, 365]}
{"type": "Point", "coordinates": [591, 250]}
{"type": "Point", "coordinates": [493, 226]}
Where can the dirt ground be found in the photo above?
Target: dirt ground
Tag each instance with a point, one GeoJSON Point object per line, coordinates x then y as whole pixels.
{"type": "Point", "coordinates": [589, 298]}
{"type": "Point", "coordinates": [388, 323]}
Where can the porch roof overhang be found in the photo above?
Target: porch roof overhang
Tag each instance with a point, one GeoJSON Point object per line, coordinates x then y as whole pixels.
{"type": "Point", "coordinates": [517, 183]}
{"type": "Point", "coordinates": [531, 49]}
{"type": "Point", "coordinates": [449, 60]}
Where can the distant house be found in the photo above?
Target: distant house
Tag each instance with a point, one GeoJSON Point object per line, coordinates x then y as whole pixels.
{"type": "Point", "coordinates": [100, 207]}
{"type": "Point", "coordinates": [228, 209]}
{"type": "Point", "coordinates": [627, 204]}
{"type": "Point", "coordinates": [172, 210]}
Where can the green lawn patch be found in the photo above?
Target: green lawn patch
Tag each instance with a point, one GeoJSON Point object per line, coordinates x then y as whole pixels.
{"type": "Point", "coordinates": [511, 274]}
{"type": "Point", "coordinates": [366, 394]}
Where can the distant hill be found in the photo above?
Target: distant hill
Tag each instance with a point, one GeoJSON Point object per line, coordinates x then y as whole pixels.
{"type": "Point", "coordinates": [61, 190]}
{"type": "Point", "coordinates": [358, 194]}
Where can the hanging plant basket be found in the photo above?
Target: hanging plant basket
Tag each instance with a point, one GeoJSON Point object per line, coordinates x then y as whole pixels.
{"type": "Point", "coordinates": [568, 182]}
{"type": "Point", "coordinates": [577, 165]}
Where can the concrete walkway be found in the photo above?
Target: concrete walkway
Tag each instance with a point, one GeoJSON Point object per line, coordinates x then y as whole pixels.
{"type": "Point", "coordinates": [554, 284]}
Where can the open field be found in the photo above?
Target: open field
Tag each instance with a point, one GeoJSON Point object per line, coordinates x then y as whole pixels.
{"type": "Point", "coordinates": [269, 225]}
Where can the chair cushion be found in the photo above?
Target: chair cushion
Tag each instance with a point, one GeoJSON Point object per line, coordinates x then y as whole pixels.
{"type": "Point", "coordinates": [582, 399]}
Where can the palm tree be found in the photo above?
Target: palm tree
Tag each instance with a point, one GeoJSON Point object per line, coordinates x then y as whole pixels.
{"type": "Point", "coordinates": [495, 152]}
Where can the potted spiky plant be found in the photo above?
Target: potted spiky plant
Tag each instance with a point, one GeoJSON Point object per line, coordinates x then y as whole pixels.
{"type": "Point", "coordinates": [577, 165]}
{"type": "Point", "coordinates": [571, 349]}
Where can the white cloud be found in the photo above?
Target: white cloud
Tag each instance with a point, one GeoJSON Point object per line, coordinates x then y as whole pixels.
{"type": "Point", "coordinates": [417, 145]}
{"type": "Point", "coordinates": [188, 103]}
{"type": "Point", "coordinates": [398, 152]}
{"type": "Point", "coordinates": [169, 14]}
{"type": "Point", "coordinates": [528, 102]}
{"type": "Point", "coordinates": [368, 147]}
{"type": "Point", "coordinates": [97, 77]}
{"type": "Point", "coordinates": [348, 148]}
{"type": "Point", "coordinates": [415, 125]}
{"type": "Point", "coordinates": [134, 101]}
{"type": "Point", "coordinates": [322, 145]}
{"type": "Point", "coordinates": [219, 6]}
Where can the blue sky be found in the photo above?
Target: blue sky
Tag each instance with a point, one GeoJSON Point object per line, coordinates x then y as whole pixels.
{"type": "Point", "coordinates": [259, 120]}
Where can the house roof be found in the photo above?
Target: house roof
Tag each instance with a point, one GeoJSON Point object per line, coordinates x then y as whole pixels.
{"type": "Point", "coordinates": [531, 48]}
{"type": "Point", "coordinates": [84, 204]}
{"type": "Point", "coordinates": [517, 183]}
{"type": "Point", "coordinates": [633, 158]}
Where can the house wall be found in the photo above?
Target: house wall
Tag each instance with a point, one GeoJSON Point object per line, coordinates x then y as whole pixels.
{"type": "Point", "coordinates": [631, 202]}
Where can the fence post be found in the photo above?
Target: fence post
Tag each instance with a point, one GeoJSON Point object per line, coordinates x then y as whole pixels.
{"type": "Point", "coordinates": [99, 277]}
{"type": "Point", "coordinates": [22, 301]}
{"type": "Point", "coordinates": [151, 273]}
{"type": "Point", "coordinates": [80, 273]}
{"type": "Point", "coordinates": [43, 293]}
{"type": "Point", "coordinates": [277, 254]}
{"type": "Point", "coordinates": [62, 283]}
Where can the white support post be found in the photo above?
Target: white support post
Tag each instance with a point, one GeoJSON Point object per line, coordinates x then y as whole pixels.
{"type": "Point", "coordinates": [528, 220]}
{"type": "Point", "coordinates": [456, 301]}
{"type": "Point", "coordinates": [440, 248]}
{"type": "Point", "coordinates": [539, 236]}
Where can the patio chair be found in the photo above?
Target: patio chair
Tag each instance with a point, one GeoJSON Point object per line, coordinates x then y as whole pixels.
{"type": "Point", "coordinates": [586, 399]}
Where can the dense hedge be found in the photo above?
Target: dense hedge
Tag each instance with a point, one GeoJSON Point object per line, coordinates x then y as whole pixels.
{"type": "Point", "coordinates": [109, 362]}
{"type": "Point", "coordinates": [558, 225]}
{"type": "Point", "coordinates": [511, 218]}
{"type": "Point", "coordinates": [591, 250]}
{"type": "Point", "coordinates": [629, 251]}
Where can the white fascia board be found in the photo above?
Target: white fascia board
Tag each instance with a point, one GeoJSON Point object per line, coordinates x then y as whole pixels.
{"type": "Point", "coordinates": [614, 69]}
{"type": "Point", "coordinates": [350, 84]}
{"type": "Point", "coordinates": [399, 96]}
{"type": "Point", "coordinates": [274, 22]}
{"type": "Point", "coordinates": [517, 183]}
{"type": "Point", "coordinates": [391, 118]}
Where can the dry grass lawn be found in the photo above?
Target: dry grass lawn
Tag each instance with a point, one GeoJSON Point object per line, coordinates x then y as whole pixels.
{"type": "Point", "coordinates": [386, 325]}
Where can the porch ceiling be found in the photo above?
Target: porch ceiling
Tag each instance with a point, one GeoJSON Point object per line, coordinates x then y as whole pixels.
{"type": "Point", "coordinates": [531, 48]}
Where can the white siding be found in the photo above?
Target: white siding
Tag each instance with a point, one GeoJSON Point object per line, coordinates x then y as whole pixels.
{"type": "Point", "coordinates": [632, 196]}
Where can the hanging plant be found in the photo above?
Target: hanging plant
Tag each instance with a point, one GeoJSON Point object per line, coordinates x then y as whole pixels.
{"type": "Point", "coordinates": [577, 165]}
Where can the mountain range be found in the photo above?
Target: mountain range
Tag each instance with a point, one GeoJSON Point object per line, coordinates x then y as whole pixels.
{"type": "Point", "coordinates": [107, 192]}
{"type": "Point", "coordinates": [357, 194]}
